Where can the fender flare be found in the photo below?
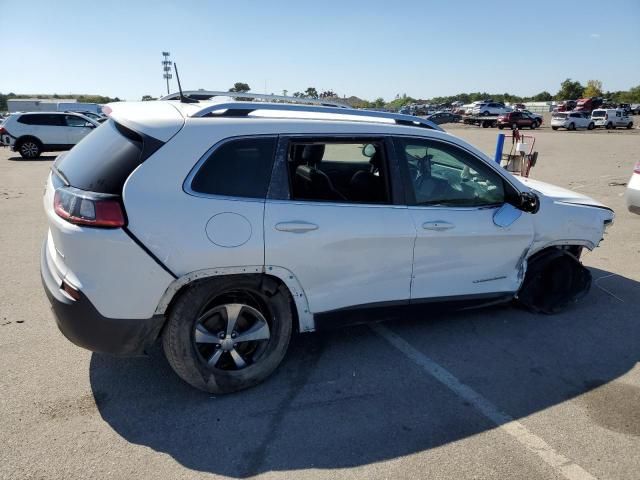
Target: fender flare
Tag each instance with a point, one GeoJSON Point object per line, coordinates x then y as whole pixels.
{"type": "Point", "coordinates": [306, 321]}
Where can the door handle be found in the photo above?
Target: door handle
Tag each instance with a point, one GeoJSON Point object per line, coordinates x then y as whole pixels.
{"type": "Point", "coordinates": [296, 227]}
{"type": "Point", "coordinates": [438, 226]}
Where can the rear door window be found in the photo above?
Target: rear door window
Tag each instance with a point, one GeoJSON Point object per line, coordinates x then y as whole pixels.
{"type": "Point", "coordinates": [237, 168]}
{"type": "Point", "coordinates": [42, 119]}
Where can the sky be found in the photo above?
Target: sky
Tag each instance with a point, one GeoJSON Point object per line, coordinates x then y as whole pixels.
{"type": "Point", "coordinates": [370, 49]}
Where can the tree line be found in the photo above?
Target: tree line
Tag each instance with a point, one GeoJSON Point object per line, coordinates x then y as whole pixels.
{"type": "Point", "coordinates": [569, 90]}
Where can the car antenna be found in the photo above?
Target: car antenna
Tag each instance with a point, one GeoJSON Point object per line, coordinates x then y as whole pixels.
{"type": "Point", "coordinates": [183, 99]}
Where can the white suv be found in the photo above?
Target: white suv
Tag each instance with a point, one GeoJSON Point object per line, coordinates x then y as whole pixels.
{"type": "Point", "coordinates": [32, 133]}
{"type": "Point", "coordinates": [492, 108]}
{"type": "Point", "coordinates": [224, 227]}
{"type": "Point", "coordinates": [571, 120]}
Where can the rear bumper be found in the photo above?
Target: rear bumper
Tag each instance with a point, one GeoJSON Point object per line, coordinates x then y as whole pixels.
{"type": "Point", "coordinates": [83, 325]}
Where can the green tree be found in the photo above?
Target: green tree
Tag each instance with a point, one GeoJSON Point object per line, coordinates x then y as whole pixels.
{"type": "Point", "coordinates": [240, 87]}
{"type": "Point", "coordinates": [593, 89]}
{"type": "Point", "coordinates": [328, 94]}
{"type": "Point", "coordinates": [311, 92]}
{"type": "Point", "coordinates": [570, 90]}
{"type": "Point", "coordinates": [146, 98]}
{"type": "Point", "coordinates": [542, 97]}
{"type": "Point", "coordinates": [379, 102]}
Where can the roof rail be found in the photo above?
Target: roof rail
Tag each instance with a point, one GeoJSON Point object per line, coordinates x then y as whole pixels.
{"type": "Point", "coordinates": [208, 94]}
{"type": "Point", "coordinates": [240, 109]}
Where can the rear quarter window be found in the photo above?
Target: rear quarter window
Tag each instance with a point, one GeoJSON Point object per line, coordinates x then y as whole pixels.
{"type": "Point", "coordinates": [237, 168]}
{"type": "Point", "coordinates": [104, 159]}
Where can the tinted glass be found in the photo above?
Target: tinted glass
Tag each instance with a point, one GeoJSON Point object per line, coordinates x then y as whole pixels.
{"type": "Point", "coordinates": [73, 121]}
{"type": "Point", "coordinates": [102, 161]}
{"type": "Point", "coordinates": [444, 175]}
{"type": "Point", "coordinates": [42, 119]}
{"type": "Point", "coordinates": [238, 168]}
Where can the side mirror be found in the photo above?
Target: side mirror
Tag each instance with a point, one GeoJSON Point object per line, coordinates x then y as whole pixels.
{"type": "Point", "coordinates": [529, 202]}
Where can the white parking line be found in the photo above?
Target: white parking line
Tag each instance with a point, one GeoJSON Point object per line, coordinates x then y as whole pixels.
{"type": "Point", "coordinates": [561, 464]}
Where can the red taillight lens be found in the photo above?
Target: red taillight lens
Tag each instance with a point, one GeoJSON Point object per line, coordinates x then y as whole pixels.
{"type": "Point", "coordinates": [2, 131]}
{"type": "Point", "coordinates": [636, 169]}
{"type": "Point", "coordinates": [87, 208]}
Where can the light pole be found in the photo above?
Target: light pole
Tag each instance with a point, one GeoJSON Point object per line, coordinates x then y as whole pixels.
{"type": "Point", "coordinates": [166, 68]}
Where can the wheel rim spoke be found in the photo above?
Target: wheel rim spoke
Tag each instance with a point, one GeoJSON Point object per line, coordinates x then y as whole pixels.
{"type": "Point", "coordinates": [237, 359]}
{"type": "Point", "coordinates": [213, 359]}
{"type": "Point", "coordinates": [202, 335]}
{"type": "Point", "coordinates": [259, 331]}
{"type": "Point", "coordinates": [233, 312]}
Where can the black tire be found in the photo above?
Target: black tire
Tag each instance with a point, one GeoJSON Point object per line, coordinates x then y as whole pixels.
{"type": "Point", "coordinates": [485, 114]}
{"type": "Point", "coordinates": [500, 127]}
{"type": "Point", "coordinates": [630, 125]}
{"type": "Point", "coordinates": [534, 125]}
{"type": "Point", "coordinates": [29, 148]}
{"type": "Point", "coordinates": [486, 124]}
{"type": "Point", "coordinates": [554, 128]}
{"type": "Point", "coordinates": [591, 126]}
{"type": "Point", "coordinates": [262, 294]}
{"type": "Point", "coordinates": [609, 126]}
{"type": "Point", "coordinates": [572, 126]}
{"type": "Point", "coordinates": [514, 126]}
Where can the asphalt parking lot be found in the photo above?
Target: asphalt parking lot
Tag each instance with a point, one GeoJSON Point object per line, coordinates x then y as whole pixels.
{"type": "Point", "coordinates": [485, 394]}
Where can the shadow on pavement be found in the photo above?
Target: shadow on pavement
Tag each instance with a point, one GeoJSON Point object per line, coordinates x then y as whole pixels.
{"type": "Point", "coordinates": [42, 158]}
{"type": "Point", "coordinates": [346, 398]}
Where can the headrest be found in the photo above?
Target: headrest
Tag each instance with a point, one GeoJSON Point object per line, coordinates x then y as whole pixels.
{"type": "Point", "coordinates": [312, 154]}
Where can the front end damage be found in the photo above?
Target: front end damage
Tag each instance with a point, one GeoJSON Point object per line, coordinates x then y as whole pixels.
{"type": "Point", "coordinates": [553, 276]}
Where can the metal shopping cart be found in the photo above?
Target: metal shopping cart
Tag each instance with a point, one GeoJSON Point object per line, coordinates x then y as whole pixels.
{"type": "Point", "coordinates": [521, 157]}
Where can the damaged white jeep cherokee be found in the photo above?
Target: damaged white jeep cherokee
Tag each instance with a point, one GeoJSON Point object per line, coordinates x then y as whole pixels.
{"type": "Point", "coordinates": [221, 227]}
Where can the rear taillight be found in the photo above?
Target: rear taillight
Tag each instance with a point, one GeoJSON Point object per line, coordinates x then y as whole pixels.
{"type": "Point", "coordinates": [88, 208]}
{"type": "Point", "coordinates": [2, 131]}
{"type": "Point", "coordinates": [636, 169]}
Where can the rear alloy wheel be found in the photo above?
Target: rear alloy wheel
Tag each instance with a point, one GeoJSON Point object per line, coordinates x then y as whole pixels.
{"type": "Point", "coordinates": [609, 126]}
{"type": "Point", "coordinates": [572, 126]}
{"type": "Point", "coordinates": [29, 149]}
{"type": "Point", "coordinates": [228, 334]}
{"type": "Point", "coordinates": [591, 126]}
{"type": "Point", "coordinates": [485, 114]}
{"type": "Point", "coordinates": [514, 126]}
{"type": "Point", "coordinates": [534, 125]}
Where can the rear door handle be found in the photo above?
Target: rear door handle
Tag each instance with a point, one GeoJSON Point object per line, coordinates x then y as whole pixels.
{"type": "Point", "coordinates": [296, 227]}
{"type": "Point", "coordinates": [438, 225]}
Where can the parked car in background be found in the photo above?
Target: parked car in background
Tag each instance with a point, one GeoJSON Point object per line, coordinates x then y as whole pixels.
{"type": "Point", "coordinates": [632, 195]}
{"type": "Point", "coordinates": [571, 120]}
{"type": "Point", "coordinates": [611, 118]}
{"type": "Point", "coordinates": [635, 108]}
{"type": "Point", "coordinates": [32, 133]}
{"type": "Point", "coordinates": [493, 108]}
{"type": "Point", "coordinates": [587, 105]}
{"type": "Point", "coordinates": [565, 106]}
{"type": "Point", "coordinates": [518, 106]}
{"type": "Point", "coordinates": [626, 107]}
{"type": "Point", "coordinates": [516, 120]}
{"type": "Point", "coordinates": [444, 117]}
{"type": "Point", "coordinates": [227, 226]}
{"type": "Point", "coordinates": [537, 116]}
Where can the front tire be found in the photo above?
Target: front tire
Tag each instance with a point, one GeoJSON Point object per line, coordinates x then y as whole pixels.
{"type": "Point", "coordinates": [229, 333]}
{"type": "Point", "coordinates": [554, 128]}
{"type": "Point", "coordinates": [572, 126]}
{"type": "Point", "coordinates": [534, 125]}
{"type": "Point", "coordinates": [591, 126]}
{"type": "Point", "coordinates": [630, 125]}
{"type": "Point", "coordinates": [609, 126]}
{"type": "Point", "coordinates": [30, 149]}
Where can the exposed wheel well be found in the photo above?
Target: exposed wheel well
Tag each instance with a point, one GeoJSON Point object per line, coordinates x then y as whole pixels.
{"type": "Point", "coordinates": [268, 284]}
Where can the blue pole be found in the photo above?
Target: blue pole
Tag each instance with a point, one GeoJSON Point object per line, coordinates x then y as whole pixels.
{"type": "Point", "coordinates": [499, 147]}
